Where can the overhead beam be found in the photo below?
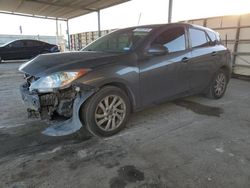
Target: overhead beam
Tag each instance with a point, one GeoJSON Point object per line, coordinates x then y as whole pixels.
{"type": "Point", "coordinates": [65, 13]}
{"type": "Point", "coordinates": [19, 5]}
{"type": "Point", "coordinates": [61, 9]}
{"type": "Point", "coordinates": [32, 16]}
{"type": "Point", "coordinates": [45, 7]}
{"type": "Point", "coordinates": [63, 6]}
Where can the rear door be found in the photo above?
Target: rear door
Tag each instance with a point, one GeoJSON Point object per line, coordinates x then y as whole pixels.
{"type": "Point", "coordinates": [41, 47]}
{"type": "Point", "coordinates": [35, 48]}
{"type": "Point", "coordinates": [30, 48]}
{"type": "Point", "coordinates": [203, 62]}
{"type": "Point", "coordinates": [163, 77]}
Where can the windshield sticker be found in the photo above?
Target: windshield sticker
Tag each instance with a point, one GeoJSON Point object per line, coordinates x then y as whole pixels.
{"type": "Point", "coordinates": [142, 30]}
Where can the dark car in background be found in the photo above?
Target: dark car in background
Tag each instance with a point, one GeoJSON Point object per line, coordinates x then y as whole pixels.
{"type": "Point", "coordinates": [25, 49]}
{"type": "Point", "coordinates": [124, 72]}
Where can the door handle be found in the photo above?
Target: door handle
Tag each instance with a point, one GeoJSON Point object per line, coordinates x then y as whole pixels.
{"type": "Point", "coordinates": [185, 59]}
{"type": "Point", "coordinates": [214, 53]}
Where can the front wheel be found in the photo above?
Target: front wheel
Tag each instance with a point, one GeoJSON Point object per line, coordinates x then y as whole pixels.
{"type": "Point", "coordinates": [106, 113]}
{"type": "Point", "coordinates": [218, 86]}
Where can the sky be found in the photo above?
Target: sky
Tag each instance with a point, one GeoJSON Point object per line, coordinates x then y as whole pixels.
{"type": "Point", "coordinates": [127, 14]}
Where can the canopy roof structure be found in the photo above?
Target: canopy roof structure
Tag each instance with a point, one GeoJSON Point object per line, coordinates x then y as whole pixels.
{"type": "Point", "coordinates": [55, 9]}
{"type": "Point", "coordinates": [61, 9]}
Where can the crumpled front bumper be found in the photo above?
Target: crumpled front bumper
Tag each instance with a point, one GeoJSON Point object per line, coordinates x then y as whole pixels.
{"type": "Point", "coordinates": [31, 100]}
{"type": "Point", "coordinates": [35, 107]}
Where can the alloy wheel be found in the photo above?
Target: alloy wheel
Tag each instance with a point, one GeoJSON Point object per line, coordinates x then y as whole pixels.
{"type": "Point", "coordinates": [110, 113]}
{"type": "Point", "coordinates": [220, 84]}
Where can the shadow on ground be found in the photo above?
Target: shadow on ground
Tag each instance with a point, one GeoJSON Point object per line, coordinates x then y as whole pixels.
{"type": "Point", "coordinates": [28, 139]}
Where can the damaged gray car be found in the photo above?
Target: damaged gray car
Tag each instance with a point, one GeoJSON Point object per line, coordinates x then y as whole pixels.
{"type": "Point", "coordinates": [123, 72]}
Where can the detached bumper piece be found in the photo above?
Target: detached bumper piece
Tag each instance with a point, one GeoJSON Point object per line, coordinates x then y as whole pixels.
{"type": "Point", "coordinates": [61, 104]}
{"type": "Point", "coordinates": [31, 100]}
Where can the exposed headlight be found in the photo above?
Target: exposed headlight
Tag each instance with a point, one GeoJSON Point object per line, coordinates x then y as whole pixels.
{"type": "Point", "coordinates": [57, 80]}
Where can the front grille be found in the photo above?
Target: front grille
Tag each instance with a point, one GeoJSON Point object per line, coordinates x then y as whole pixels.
{"type": "Point", "coordinates": [48, 99]}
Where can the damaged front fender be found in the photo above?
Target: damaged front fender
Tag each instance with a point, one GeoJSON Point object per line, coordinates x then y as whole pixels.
{"type": "Point", "coordinates": [73, 124]}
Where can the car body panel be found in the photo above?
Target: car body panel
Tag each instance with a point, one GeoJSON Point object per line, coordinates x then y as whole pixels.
{"type": "Point", "coordinates": [46, 64]}
{"type": "Point", "coordinates": [164, 76]}
{"type": "Point", "coordinates": [146, 78]}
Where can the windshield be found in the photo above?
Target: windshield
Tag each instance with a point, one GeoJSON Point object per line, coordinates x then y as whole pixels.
{"type": "Point", "coordinates": [119, 41]}
{"type": "Point", "coordinates": [7, 43]}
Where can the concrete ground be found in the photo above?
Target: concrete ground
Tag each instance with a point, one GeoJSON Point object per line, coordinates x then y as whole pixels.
{"type": "Point", "coordinates": [192, 142]}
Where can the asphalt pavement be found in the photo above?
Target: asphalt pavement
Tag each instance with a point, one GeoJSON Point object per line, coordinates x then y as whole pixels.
{"type": "Point", "coordinates": [191, 142]}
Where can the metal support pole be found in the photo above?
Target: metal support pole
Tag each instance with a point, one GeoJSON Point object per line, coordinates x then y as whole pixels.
{"type": "Point", "coordinates": [99, 23]}
{"type": "Point", "coordinates": [170, 7]}
{"type": "Point", "coordinates": [56, 31]}
{"type": "Point", "coordinates": [69, 44]}
{"type": "Point", "coordinates": [236, 41]}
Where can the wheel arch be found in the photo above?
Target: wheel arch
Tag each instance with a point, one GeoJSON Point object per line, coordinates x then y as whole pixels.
{"type": "Point", "coordinates": [83, 117]}
{"type": "Point", "coordinates": [227, 70]}
{"type": "Point", "coordinates": [126, 89]}
{"type": "Point", "coordinates": [119, 85]}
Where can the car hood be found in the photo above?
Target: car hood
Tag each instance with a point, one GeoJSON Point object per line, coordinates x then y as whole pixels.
{"type": "Point", "coordinates": [50, 63]}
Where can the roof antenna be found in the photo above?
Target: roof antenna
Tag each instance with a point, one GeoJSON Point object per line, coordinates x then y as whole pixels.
{"type": "Point", "coordinates": [139, 19]}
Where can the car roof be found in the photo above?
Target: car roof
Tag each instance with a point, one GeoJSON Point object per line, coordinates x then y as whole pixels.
{"type": "Point", "coordinates": [28, 40]}
{"type": "Point", "coordinates": [201, 27]}
{"type": "Point", "coordinates": [156, 25]}
{"type": "Point", "coordinates": [23, 40]}
{"type": "Point", "coordinates": [169, 24]}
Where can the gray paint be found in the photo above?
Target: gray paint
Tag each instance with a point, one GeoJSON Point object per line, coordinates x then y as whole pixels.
{"type": "Point", "coordinates": [148, 79]}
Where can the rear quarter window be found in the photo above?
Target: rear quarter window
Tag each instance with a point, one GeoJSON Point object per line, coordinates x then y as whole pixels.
{"type": "Point", "coordinates": [214, 37]}
{"type": "Point", "coordinates": [198, 38]}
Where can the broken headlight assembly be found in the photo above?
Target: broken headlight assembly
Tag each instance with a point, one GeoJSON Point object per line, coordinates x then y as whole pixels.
{"type": "Point", "coordinates": [55, 81]}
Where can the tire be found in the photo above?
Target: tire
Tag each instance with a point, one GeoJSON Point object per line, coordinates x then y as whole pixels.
{"type": "Point", "coordinates": [106, 112]}
{"type": "Point", "coordinates": [218, 85]}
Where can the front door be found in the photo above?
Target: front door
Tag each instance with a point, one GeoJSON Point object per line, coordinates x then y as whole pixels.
{"type": "Point", "coordinates": [165, 76]}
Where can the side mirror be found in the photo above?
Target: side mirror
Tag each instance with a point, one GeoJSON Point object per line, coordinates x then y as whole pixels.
{"type": "Point", "coordinates": [157, 49]}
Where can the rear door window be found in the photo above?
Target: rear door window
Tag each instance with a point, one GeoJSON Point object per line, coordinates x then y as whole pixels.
{"type": "Point", "coordinates": [198, 38]}
{"type": "Point", "coordinates": [33, 43]}
{"type": "Point", "coordinates": [16, 44]}
{"type": "Point", "coordinates": [173, 39]}
{"type": "Point", "coordinates": [39, 43]}
{"type": "Point", "coordinates": [30, 43]}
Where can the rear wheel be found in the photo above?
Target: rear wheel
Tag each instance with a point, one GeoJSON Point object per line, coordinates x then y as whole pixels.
{"type": "Point", "coordinates": [106, 113]}
{"type": "Point", "coordinates": [218, 86]}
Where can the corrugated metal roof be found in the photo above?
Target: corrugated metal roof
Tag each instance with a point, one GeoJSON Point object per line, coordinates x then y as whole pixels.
{"type": "Point", "coordinates": [62, 9]}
